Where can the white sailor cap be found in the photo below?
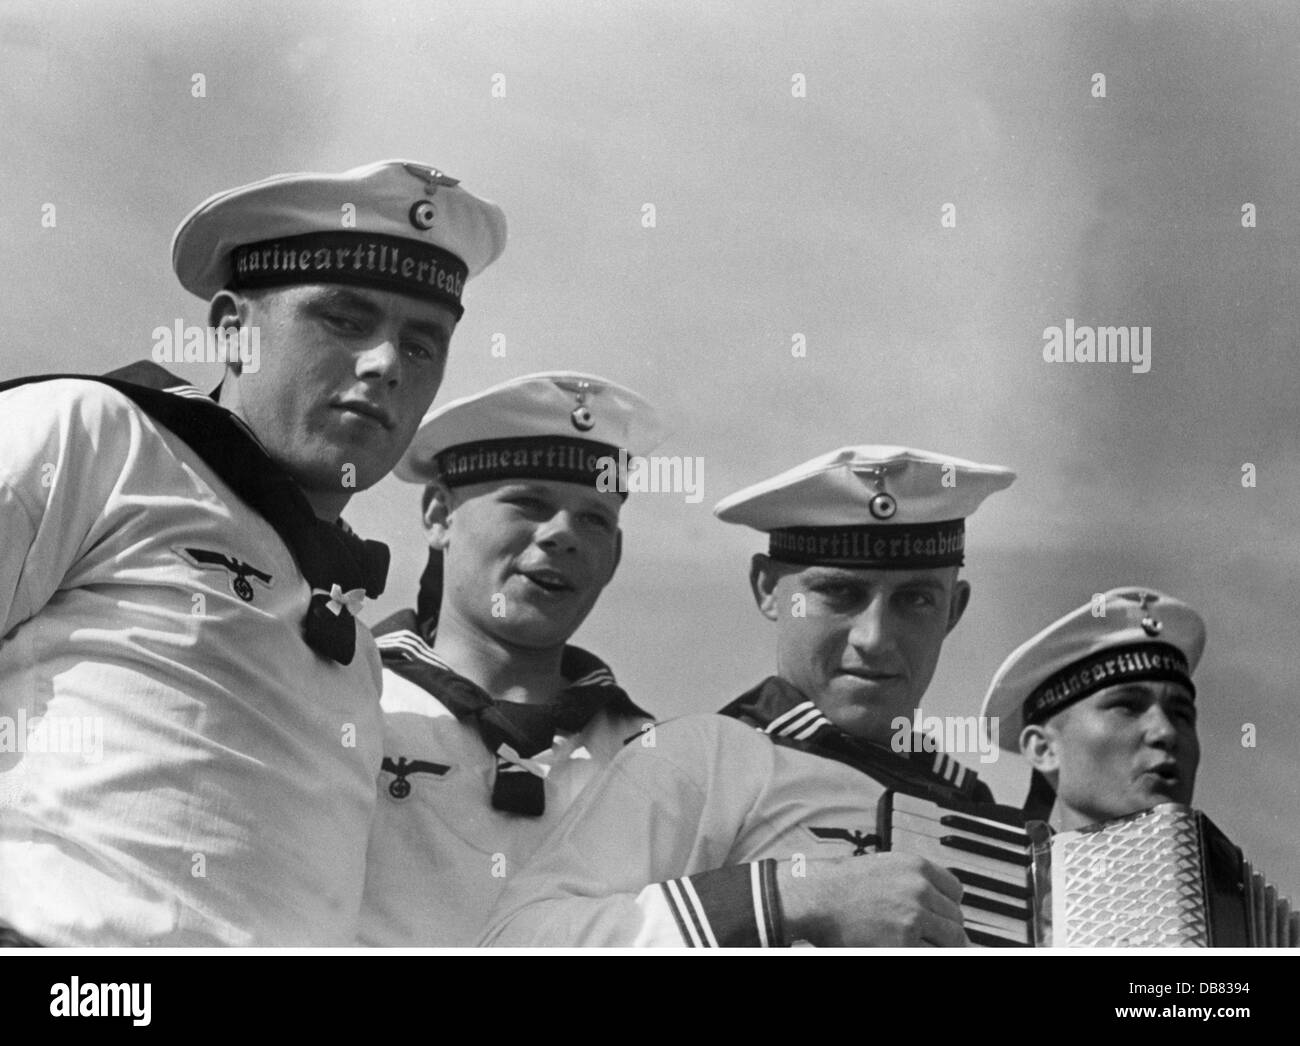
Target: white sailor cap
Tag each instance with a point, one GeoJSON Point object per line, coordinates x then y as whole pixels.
{"type": "Point", "coordinates": [559, 425]}
{"type": "Point", "coordinates": [393, 225]}
{"type": "Point", "coordinates": [1124, 635]}
{"type": "Point", "coordinates": [878, 507]}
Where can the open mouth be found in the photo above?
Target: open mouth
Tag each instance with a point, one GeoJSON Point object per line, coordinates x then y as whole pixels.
{"type": "Point", "coordinates": [549, 581]}
{"type": "Point", "coordinates": [1165, 776]}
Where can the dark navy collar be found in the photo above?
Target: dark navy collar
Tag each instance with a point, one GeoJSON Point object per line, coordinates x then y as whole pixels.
{"type": "Point", "coordinates": [783, 713]}
{"type": "Point", "coordinates": [333, 560]}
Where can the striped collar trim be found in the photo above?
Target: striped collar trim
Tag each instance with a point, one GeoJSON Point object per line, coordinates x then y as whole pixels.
{"type": "Point", "coordinates": [412, 647]}
{"type": "Point", "coordinates": [193, 392]}
{"type": "Point", "coordinates": [799, 723]}
{"type": "Point", "coordinates": [805, 719]}
{"type": "Point", "coordinates": [950, 770]}
{"type": "Point", "coordinates": [189, 392]}
{"type": "Point", "coordinates": [409, 645]}
{"type": "Point", "coordinates": [596, 677]}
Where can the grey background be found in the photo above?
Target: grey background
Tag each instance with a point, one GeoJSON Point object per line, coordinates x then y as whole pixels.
{"type": "Point", "coordinates": [776, 215]}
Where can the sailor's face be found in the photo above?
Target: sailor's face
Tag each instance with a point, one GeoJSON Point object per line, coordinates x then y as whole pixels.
{"type": "Point", "coordinates": [1123, 750]}
{"type": "Point", "coordinates": [864, 644]}
{"type": "Point", "coordinates": [526, 560]}
{"type": "Point", "coordinates": [346, 375]}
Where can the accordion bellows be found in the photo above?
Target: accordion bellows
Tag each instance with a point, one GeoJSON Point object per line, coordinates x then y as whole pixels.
{"type": "Point", "coordinates": [1163, 878]}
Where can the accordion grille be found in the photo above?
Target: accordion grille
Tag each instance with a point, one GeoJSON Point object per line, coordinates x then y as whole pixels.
{"type": "Point", "coordinates": [1131, 884]}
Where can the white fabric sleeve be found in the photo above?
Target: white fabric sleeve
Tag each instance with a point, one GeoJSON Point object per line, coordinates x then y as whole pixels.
{"type": "Point", "coordinates": [65, 443]}
{"type": "Point", "coordinates": [642, 858]}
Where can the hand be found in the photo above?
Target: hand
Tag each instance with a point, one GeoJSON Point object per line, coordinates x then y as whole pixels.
{"type": "Point", "coordinates": [887, 900]}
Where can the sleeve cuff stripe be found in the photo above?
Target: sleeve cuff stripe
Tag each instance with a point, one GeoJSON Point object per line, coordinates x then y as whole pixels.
{"type": "Point", "coordinates": [760, 907]}
{"type": "Point", "coordinates": [702, 920]}
{"type": "Point", "coordinates": [735, 906]}
{"type": "Point", "coordinates": [689, 936]}
{"type": "Point", "coordinates": [775, 916]}
{"type": "Point", "coordinates": [682, 913]}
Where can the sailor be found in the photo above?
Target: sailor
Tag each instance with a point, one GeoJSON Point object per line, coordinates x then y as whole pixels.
{"type": "Point", "coordinates": [1102, 705]}
{"type": "Point", "coordinates": [177, 590]}
{"type": "Point", "coordinates": [493, 723]}
{"type": "Point", "coordinates": [749, 827]}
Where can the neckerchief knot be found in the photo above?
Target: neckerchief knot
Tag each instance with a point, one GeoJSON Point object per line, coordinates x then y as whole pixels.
{"type": "Point", "coordinates": [516, 734]}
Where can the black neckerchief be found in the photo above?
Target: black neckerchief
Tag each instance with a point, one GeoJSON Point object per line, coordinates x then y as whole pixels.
{"type": "Point", "coordinates": [329, 555]}
{"type": "Point", "coordinates": [1040, 798]}
{"type": "Point", "coordinates": [406, 648]}
{"type": "Point", "coordinates": [789, 718]}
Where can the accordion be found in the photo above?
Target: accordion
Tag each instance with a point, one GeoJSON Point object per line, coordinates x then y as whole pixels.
{"type": "Point", "coordinates": [1163, 878]}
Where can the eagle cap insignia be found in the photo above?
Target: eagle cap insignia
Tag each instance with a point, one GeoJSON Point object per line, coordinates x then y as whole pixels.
{"type": "Point", "coordinates": [423, 213]}
{"type": "Point", "coordinates": [1151, 625]}
{"type": "Point", "coordinates": [884, 504]}
{"type": "Point", "coordinates": [432, 178]}
{"type": "Point", "coordinates": [581, 417]}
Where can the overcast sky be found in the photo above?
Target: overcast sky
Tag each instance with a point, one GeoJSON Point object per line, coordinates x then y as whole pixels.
{"type": "Point", "coordinates": [776, 215]}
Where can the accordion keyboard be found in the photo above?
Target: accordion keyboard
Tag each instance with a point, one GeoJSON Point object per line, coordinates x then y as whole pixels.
{"type": "Point", "coordinates": [990, 857]}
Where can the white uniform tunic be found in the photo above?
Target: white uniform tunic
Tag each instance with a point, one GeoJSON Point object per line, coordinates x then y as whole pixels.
{"type": "Point", "coordinates": [221, 786]}
{"type": "Point", "coordinates": [676, 844]}
{"type": "Point", "coordinates": [440, 854]}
